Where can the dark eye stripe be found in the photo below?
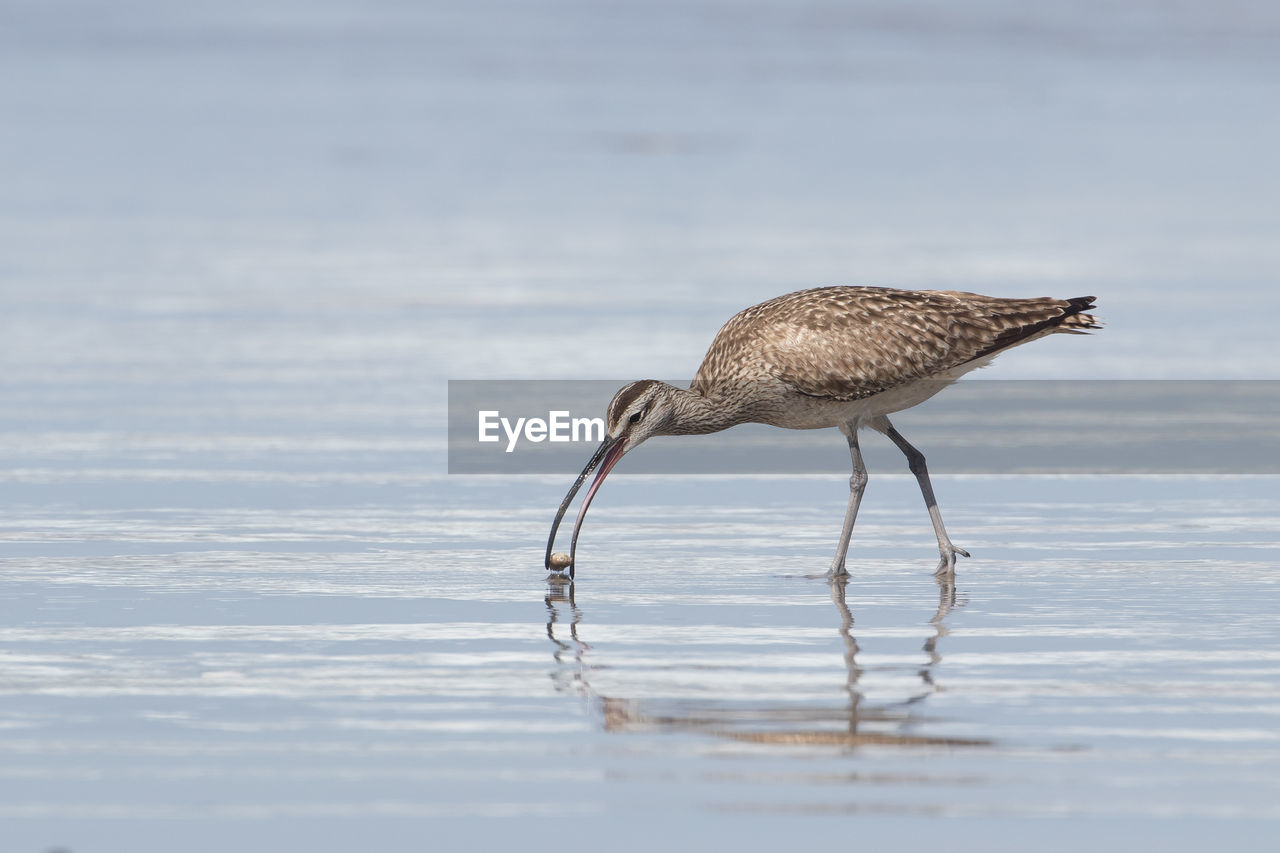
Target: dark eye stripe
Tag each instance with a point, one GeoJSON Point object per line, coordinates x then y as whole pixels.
{"type": "Point", "coordinates": [628, 395]}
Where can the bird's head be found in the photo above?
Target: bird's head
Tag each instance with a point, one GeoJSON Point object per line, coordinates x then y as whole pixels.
{"type": "Point", "coordinates": [637, 412]}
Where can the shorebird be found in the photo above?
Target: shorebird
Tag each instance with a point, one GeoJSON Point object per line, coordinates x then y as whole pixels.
{"type": "Point", "coordinates": [844, 357]}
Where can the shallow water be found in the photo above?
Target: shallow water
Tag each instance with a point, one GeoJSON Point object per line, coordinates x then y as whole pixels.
{"type": "Point", "coordinates": [245, 246]}
{"type": "Point", "coordinates": [1110, 652]}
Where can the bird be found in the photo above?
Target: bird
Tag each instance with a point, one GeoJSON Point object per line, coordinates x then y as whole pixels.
{"type": "Point", "coordinates": [844, 357]}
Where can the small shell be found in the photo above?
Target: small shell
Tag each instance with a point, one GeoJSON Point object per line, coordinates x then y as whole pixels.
{"type": "Point", "coordinates": [560, 561]}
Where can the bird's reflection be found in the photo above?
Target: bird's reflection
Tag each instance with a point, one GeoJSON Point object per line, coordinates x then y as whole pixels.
{"type": "Point", "coordinates": [946, 601]}
{"type": "Point", "coordinates": [858, 723]}
{"type": "Point", "coordinates": [570, 674]}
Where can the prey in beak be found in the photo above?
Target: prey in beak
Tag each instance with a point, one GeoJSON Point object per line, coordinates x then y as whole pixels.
{"type": "Point", "coordinates": [636, 412]}
{"type": "Point", "coordinates": [605, 457]}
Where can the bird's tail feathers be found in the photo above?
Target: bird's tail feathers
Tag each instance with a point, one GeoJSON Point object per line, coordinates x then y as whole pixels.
{"type": "Point", "coordinates": [1076, 321]}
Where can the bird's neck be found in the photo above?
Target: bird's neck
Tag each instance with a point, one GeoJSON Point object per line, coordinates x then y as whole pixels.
{"type": "Point", "coordinates": [699, 414]}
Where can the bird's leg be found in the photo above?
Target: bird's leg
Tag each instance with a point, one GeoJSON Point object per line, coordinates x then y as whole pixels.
{"type": "Point", "coordinates": [915, 461]}
{"type": "Point", "coordinates": [857, 485]}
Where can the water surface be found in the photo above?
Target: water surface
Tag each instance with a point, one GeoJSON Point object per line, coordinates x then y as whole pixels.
{"type": "Point", "coordinates": [245, 246]}
{"type": "Point", "coordinates": [1109, 654]}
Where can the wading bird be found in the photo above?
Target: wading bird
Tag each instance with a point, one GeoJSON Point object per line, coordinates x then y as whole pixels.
{"type": "Point", "coordinates": [842, 357]}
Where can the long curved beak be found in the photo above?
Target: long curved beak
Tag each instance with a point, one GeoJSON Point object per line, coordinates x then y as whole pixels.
{"type": "Point", "coordinates": [606, 456]}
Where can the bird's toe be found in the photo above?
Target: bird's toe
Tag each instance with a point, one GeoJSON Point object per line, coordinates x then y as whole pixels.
{"type": "Point", "coordinates": [947, 564]}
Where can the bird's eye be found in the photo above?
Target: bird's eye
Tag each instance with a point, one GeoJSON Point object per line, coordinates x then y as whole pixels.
{"type": "Point", "coordinates": [635, 418]}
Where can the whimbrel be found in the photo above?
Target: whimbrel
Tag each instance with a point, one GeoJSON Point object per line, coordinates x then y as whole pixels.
{"type": "Point", "coordinates": [842, 357]}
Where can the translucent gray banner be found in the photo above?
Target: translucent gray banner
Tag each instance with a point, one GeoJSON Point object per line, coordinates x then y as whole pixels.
{"type": "Point", "coordinates": [975, 426]}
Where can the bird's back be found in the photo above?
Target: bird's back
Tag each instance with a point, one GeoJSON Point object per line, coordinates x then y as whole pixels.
{"type": "Point", "coordinates": [850, 343]}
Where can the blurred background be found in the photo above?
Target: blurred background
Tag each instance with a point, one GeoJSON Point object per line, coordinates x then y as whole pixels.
{"type": "Point", "coordinates": [376, 196]}
{"type": "Point", "coordinates": [244, 246]}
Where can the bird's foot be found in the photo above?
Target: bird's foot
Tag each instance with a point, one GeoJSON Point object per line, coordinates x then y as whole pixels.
{"type": "Point", "coordinates": [947, 565]}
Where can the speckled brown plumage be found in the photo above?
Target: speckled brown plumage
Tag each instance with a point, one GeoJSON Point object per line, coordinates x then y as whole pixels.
{"type": "Point", "coordinates": [850, 343]}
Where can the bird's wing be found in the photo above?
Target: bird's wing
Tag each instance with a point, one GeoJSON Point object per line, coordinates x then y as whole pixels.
{"type": "Point", "coordinates": [847, 343]}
